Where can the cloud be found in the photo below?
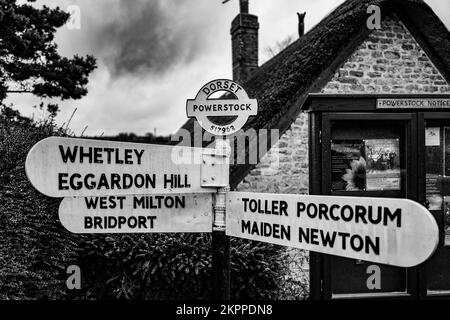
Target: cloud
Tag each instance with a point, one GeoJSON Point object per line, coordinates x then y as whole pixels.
{"type": "Point", "coordinates": [139, 104]}
{"type": "Point", "coordinates": [152, 56]}
{"type": "Point", "coordinates": [148, 36]}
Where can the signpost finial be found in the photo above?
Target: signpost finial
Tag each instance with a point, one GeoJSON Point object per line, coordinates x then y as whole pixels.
{"type": "Point", "coordinates": [243, 5]}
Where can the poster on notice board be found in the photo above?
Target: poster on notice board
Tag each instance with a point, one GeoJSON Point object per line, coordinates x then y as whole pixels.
{"type": "Point", "coordinates": [365, 165]}
{"type": "Point", "coordinates": [434, 159]}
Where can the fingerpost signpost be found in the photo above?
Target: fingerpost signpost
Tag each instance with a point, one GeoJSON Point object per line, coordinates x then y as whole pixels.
{"type": "Point", "coordinates": [118, 187]}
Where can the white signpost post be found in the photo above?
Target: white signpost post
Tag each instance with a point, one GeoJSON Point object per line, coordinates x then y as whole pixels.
{"type": "Point", "coordinates": [202, 108]}
{"type": "Point", "coordinates": [397, 232]}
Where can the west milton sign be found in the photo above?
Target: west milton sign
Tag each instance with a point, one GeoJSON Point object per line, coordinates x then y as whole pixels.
{"type": "Point", "coordinates": [137, 213]}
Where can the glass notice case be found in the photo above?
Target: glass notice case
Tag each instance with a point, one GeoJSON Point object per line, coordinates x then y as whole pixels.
{"type": "Point", "coordinates": [365, 158]}
{"type": "Point", "coordinates": [358, 149]}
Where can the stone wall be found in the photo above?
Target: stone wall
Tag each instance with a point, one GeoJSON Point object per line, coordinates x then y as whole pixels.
{"type": "Point", "coordinates": [389, 61]}
{"type": "Point", "coordinates": [284, 169]}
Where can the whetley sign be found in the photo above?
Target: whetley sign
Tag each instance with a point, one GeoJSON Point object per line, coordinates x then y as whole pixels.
{"type": "Point", "coordinates": [397, 232]}
{"type": "Point", "coordinates": [61, 167]}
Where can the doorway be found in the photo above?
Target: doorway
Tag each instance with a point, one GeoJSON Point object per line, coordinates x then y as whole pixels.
{"type": "Point", "coordinates": [434, 193]}
{"type": "Point", "coordinates": [370, 155]}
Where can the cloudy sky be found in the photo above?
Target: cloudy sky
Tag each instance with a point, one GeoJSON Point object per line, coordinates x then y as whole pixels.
{"type": "Point", "coordinates": [154, 54]}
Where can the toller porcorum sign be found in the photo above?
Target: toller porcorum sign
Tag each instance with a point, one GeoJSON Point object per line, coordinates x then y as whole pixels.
{"type": "Point", "coordinates": [397, 232]}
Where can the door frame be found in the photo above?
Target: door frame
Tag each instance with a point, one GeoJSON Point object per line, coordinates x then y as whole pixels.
{"type": "Point", "coordinates": [422, 118]}
{"type": "Point", "coordinates": [411, 138]}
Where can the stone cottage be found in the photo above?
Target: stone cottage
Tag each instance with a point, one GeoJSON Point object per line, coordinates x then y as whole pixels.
{"type": "Point", "coordinates": [409, 54]}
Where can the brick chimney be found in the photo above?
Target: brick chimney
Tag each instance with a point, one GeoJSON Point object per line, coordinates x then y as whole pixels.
{"type": "Point", "coordinates": [244, 43]}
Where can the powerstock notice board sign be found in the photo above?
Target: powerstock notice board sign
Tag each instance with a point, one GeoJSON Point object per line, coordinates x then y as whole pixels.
{"type": "Point", "coordinates": [68, 167]}
{"type": "Point", "coordinates": [419, 103]}
{"type": "Point", "coordinates": [202, 107]}
{"type": "Point", "coordinates": [137, 213]}
{"type": "Point", "coordinates": [397, 232]}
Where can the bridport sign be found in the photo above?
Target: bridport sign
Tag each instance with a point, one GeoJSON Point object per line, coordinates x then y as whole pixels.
{"type": "Point", "coordinates": [137, 213]}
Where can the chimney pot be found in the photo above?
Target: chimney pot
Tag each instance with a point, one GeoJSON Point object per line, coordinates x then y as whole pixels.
{"type": "Point", "coordinates": [244, 43]}
{"type": "Point", "coordinates": [243, 4]}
